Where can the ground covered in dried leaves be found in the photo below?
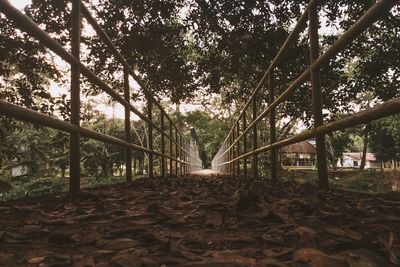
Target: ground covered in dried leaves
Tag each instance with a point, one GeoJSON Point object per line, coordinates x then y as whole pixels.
{"type": "Point", "coordinates": [202, 221]}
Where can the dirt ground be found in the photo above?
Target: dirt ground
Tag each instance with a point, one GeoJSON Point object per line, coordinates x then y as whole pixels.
{"type": "Point", "coordinates": [211, 220]}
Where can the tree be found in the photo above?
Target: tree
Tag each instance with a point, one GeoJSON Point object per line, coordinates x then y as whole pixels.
{"type": "Point", "coordinates": [385, 138]}
{"type": "Point", "coordinates": [337, 143]}
{"type": "Point", "coordinates": [41, 150]}
{"type": "Point", "coordinates": [26, 71]}
{"type": "Point", "coordinates": [222, 46]}
{"type": "Point", "coordinates": [210, 131]}
{"type": "Point", "coordinates": [98, 154]}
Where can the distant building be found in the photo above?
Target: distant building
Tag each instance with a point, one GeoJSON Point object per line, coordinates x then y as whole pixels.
{"type": "Point", "coordinates": [353, 160]}
{"type": "Point", "coordinates": [301, 155]}
{"type": "Point", "coordinates": [20, 170]}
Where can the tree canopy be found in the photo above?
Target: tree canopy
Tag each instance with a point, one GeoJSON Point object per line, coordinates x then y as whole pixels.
{"type": "Point", "coordinates": [182, 48]}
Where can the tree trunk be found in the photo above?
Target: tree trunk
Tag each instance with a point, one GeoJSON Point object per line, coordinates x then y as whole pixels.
{"type": "Point", "coordinates": [141, 165]}
{"type": "Point", "coordinates": [104, 170]}
{"type": "Point", "coordinates": [134, 166]}
{"type": "Point", "coordinates": [364, 154]}
{"type": "Point", "coordinates": [111, 170]}
{"type": "Point", "coordinates": [334, 163]}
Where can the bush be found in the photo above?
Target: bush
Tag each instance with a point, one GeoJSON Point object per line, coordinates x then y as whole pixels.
{"type": "Point", "coordinates": [32, 186]}
{"type": "Point", "coordinates": [367, 181]}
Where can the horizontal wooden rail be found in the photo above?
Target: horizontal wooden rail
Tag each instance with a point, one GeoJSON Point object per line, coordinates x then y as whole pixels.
{"type": "Point", "coordinates": [378, 112]}
{"type": "Point", "coordinates": [28, 115]}
{"type": "Point", "coordinates": [114, 50]}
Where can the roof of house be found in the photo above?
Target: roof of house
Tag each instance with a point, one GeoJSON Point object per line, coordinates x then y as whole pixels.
{"type": "Point", "coordinates": [358, 156]}
{"type": "Point", "coordinates": [300, 147]}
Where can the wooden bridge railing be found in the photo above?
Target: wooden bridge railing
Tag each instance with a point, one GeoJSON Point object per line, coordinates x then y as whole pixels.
{"type": "Point", "coordinates": [230, 154]}
{"type": "Point", "coordinates": [182, 156]}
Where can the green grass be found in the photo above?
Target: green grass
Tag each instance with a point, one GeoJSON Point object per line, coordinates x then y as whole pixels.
{"type": "Point", "coordinates": [33, 186]}
{"type": "Point", "coordinates": [368, 181]}
{"type": "Point", "coordinates": [355, 180]}
{"type": "Point", "coordinates": [94, 182]}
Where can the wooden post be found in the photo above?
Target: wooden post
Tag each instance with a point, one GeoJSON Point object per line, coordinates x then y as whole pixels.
{"type": "Point", "coordinates": [176, 152]}
{"type": "Point", "coordinates": [238, 147]}
{"type": "Point", "coordinates": [162, 145]}
{"type": "Point", "coordinates": [227, 155]}
{"type": "Point", "coordinates": [317, 99]}
{"type": "Point", "coordinates": [128, 155]}
{"type": "Point", "coordinates": [224, 158]}
{"type": "Point", "coordinates": [255, 157]}
{"type": "Point", "coordinates": [181, 155]}
{"type": "Point", "coordinates": [233, 150]}
{"type": "Point", "coordinates": [244, 145]}
{"type": "Point", "coordinates": [272, 127]}
{"type": "Point", "coordinates": [170, 147]}
{"type": "Point", "coordinates": [186, 157]}
{"type": "Point", "coordinates": [134, 165]}
{"type": "Point", "coordinates": [230, 153]}
{"type": "Point", "coordinates": [150, 136]}
{"type": "Point", "coordinates": [74, 150]}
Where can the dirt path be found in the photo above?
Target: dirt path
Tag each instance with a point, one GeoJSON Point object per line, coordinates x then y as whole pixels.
{"type": "Point", "coordinates": [202, 221]}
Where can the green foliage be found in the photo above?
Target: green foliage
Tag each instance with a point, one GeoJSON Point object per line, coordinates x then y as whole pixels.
{"type": "Point", "coordinates": [32, 146]}
{"type": "Point", "coordinates": [355, 180]}
{"type": "Point", "coordinates": [337, 143]}
{"type": "Point", "coordinates": [93, 182]}
{"type": "Point", "coordinates": [46, 185]}
{"type": "Point", "coordinates": [219, 46]}
{"type": "Point", "coordinates": [367, 181]}
{"type": "Point", "coordinates": [153, 38]}
{"type": "Point", "coordinates": [385, 139]}
{"type": "Point", "coordinates": [301, 177]}
{"type": "Point", "coordinates": [25, 71]}
{"type": "Point", "coordinates": [33, 186]}
{"type": "Point", "coordinates": [211, 132]}
{"type": "Point", "coordinates": [97, 154]}
{"type": "Point", "coordinates": [44, 153]}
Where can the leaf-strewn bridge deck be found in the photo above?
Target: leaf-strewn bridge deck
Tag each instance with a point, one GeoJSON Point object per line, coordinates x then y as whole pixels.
{"type": "Point", "coordinates": [201, 221]}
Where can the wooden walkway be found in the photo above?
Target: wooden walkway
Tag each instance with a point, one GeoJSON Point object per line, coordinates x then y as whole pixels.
{"type": "Point", "coordinates": [201, 221]}
{"type": "Point", "coordinates": [206, 172]}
